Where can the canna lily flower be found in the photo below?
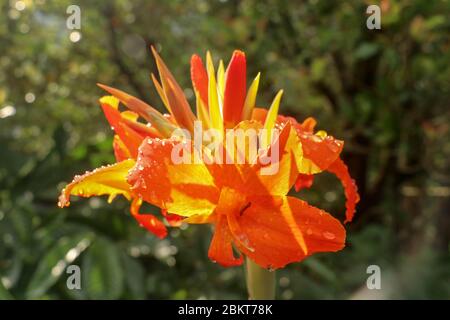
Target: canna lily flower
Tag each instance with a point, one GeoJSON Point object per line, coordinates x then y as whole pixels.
{"type": "Point", "coordinates": [251, 211]}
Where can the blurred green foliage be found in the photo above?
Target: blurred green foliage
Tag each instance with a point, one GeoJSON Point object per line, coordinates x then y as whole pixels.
{"type": "Point", "coordinates": [385, 92]}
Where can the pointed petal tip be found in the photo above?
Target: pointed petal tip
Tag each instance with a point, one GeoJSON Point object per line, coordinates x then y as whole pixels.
{"type": "Point", "coordinates": [239, 53]}
{"type": "Point", "coordinates": [101, 85]}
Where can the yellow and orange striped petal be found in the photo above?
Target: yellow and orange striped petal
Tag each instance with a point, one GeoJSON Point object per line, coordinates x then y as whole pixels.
{"type": "Point", "coordinates": [121, 151]}
{"type": "Point", "coordinates": [107, 180]}
{"type": "Point", "coordinates": [157, 120]}
{"type": "Point", "coordinates": [283, 230]}
{"type": "Point", "coordinates": [182, 188]}
{"type": "Point", "coordinates": [278, 176]}
{"type": "Point", "coordinates": [128, 136]}
{"type": "Point", "coordinates": [179, 106]}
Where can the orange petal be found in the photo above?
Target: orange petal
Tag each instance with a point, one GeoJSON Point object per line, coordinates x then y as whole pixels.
{"type": "Point", "coordinates": [277, 177]}
{"type": "Point", "coordinates": [259, 114]}
{"type": "Point", "coordinates": [309, 124]}
{"type": "Point", "coordinates": [199, 78]}
{"type": "Point", "coordinates": [235, 89]}
{"type": "Point", "coordinates": [339, 168]}
{"type": "Point", "coordinates": [121, 151]}
{"type": "Point", "coordinates": [161, 123]}
{"type": "Point", "coordinates": [319, 151]}
{"type": "Point", "coordinates": [283, 230]}
{"type": "Point", "coordinates": [148, 221]}
{"type": "Point", "coordinates": [183, 188]}
{"type": "Point", "coordinates": [110, 180]}
{"type": "Point", "coordinates": [142, 129]}
{"type": "Point", "coordinates": [201, 219]}
{"type": "Point", "coordinates": [220, 249]}
{"type": "Point", "coordinates": [179, 106]}
{"type": "Point", "coordinates": [128, 136]}
{"type": "Point", "coordinates": [304, 181]}
{"type": "Point", "coordinates": [174, 220]}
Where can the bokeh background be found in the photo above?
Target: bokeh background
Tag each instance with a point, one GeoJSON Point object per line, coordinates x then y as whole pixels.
{"type": "Point", "coordinates": [386, 93]}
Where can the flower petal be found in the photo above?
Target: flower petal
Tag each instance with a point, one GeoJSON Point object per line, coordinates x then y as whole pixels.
{"type": "Point", "coordinates": [121, 151]}
{"type": "Point", "coordinates": [110, 180]}
{"type": "Point", "coordinates": [250, 100]}
{"type": "Point", "coordinates": [213, 99]}
{"type": "Point", "coordinates": [153, 116]}
{"type": "Point", "coordinates": [304, 181]}
{"type": "Point", "coordinates": [283, 230]}
{"type": "Point", "coordinates": [130, 138]}
{"type": "Point", "coordinates": [235, 89]}
{"type": "Point", "coordinates": [318, 151]}
{"type": "Point", "coordinates": [182, 188]}
{"type": "Point", "coordinates": [277, 176]}
{"type": "Point", "coordinates": [172, 219]}
{"type": "Point", "coordinates": [339, 168]}
{"type": "Point", "coordinates": [179, 106]}
{"type": "Point", "coordinates": [199, 78]}
{"type": "Point", "coordinates": [148, 221]}
{"type": "Point", "coordinates": [272, 115]}
{"type": "Point", "coordinates": [220, 249]}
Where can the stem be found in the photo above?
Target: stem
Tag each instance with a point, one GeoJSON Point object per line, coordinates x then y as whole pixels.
{"type": "Point", "coordinates": [260, 281]}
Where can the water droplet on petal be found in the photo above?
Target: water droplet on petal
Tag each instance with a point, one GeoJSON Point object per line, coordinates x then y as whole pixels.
{"type": "Point", "coordinates": [309, 231]}
{"type": "Point", "coordinates": [329, 235]}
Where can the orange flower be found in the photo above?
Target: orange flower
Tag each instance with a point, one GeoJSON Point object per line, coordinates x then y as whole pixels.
{"type": "Point", "coordinates": [250, 210]}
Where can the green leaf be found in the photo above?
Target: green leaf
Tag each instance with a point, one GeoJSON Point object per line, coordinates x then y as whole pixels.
{"type": "Point", "coordinates": [54, 263]}
{"type": "Point", "coordinates": [102, 272]}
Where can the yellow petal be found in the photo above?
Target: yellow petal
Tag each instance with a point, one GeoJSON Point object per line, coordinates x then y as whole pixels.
{"type": "Point", "coordinates": [110, 100]}
{"type": "Point", "coordinates": [108, 180]}
{"type": "Point", "coordinates": [250, 100]}
{"type": "Point", "coordinates": [214, 109]}
{"type": "Point", "coordinates": [272, 117]}
{"type": "Point", "coordinates": [221, 79]}
{"type": "Point", "coordinates": [182, 188]}
{"type": "Point", "coordinates": [161, 93]}
{"type": "Point", "coordinates": [202, 112]}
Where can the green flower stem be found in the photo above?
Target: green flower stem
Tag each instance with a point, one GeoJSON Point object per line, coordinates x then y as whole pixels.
{"type": "Point", "coordinates": [260, 281]}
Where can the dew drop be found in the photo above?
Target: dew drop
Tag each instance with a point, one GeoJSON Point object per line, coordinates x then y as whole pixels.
{"type": "Point", "coordinates": [329, 235]}
{"type": "Point", "coordinates": [309, 231]}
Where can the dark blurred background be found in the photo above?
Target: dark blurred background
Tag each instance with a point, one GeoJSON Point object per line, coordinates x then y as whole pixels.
{"type": "Point", "coordinates": [385, 92]}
